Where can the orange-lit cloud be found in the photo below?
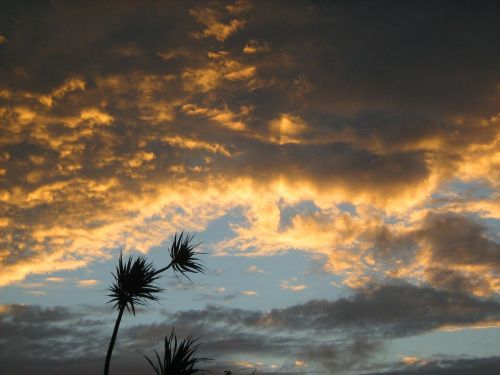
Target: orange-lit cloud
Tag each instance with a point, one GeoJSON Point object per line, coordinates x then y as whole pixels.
{"type": "Point", "coordinates": [409, 360]}
{"type": "Point", "coordinates": [175, 133]}
{"type": "Point", "coordinates": [87, 283]}
{"type": "Point", "coordinates": [254, 47]}
{"type": "Point", "coordinates": [215, 27]}
{"type": "Point", "coordinates": [292, 285]}
{"type": "Point", "coordinates": [249, 293]}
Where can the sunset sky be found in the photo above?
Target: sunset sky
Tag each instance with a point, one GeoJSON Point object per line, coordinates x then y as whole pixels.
{"type": "Point", "coordinates": [339, 162]}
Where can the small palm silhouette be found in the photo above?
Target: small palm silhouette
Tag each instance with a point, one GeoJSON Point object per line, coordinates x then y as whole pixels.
{"type": "Point", "coordinates": [183, 256]}
{"type": "Point", "coordinates": [134, 284]}
{"type": "Point", "coordinates": [178, 358]}
{"type": "Point", "coordinates": [135, 281]}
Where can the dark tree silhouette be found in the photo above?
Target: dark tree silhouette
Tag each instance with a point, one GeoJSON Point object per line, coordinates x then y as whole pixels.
{"type": "Point", "coordinates": [178, 358]}
{"type": "Point", "coordinates": [135, 281]}
{"type": "Point", "coordinates": [183, 256]}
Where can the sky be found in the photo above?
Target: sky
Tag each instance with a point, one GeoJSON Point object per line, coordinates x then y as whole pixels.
{"type": "Point", "coordinates": [338, 161]}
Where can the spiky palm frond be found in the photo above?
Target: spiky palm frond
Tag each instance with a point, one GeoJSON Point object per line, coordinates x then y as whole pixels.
{"type": "Point", "coordinates": [178, 358]}
{"type": "Point", "coordinates": [134, 283]}
{"type": "Point", "coordinates": [183, 255]}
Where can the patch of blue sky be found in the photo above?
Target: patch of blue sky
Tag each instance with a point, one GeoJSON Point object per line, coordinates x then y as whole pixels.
{"type": "Point", "coordinates": [288, 212]}
{"type": "Point", "coordinates": [63, 288]}
{"type": "Point", "coordinates": [220, 228]}
{"type": "Point", "coordinates": [256, 283]}
{"type": "Point", "coordinates": [348, 208]}
{"type": "Point", "coordinates": [459, 189]}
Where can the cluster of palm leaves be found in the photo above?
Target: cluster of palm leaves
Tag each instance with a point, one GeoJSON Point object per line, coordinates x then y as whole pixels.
{"type": "Point", "coordinates": [135, 284]}
{"type": "Point", "coordinates": [178, 358]}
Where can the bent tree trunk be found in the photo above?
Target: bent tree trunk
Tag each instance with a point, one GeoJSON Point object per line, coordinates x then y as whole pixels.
{"type": "Point", "coordinates": [113, 339]}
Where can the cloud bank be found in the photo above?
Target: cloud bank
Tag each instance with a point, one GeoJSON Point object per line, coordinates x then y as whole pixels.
{"type": "Point", "coordinates": [362, 138]}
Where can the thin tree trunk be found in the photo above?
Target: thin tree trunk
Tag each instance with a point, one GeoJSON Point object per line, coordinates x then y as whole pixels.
{"type": "Point", "coordinates": [113, 339]}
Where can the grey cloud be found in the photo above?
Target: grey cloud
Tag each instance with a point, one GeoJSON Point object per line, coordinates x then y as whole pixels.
{"type": "Point", "coordinates": [380, 53]}
{"type": "Point", "coordinates": [64, 41]}
{"type": "Point", "coordinates": [355, 355]}
{"type": "Point", "coordinates": [55, 340]}
{"type": "Point", "coordinates": [341, 165]}
{"type": "Point", "coordinates": [59, 345]}
{"type": "Point", "coordinates": [456, 281]}
{"type": "Point", "coordinates": [392, 247]}
{"type": "Point", "coordinates": [390, 310]}
{"type": "Point", "coordinates": [459, 239]}
{"type": "Point", "coordinates": [36, 314]}
{"type": "Point", "coordinates": [335, 335]}
{"type": "Point", "coordinates": [384, 311]}
{"type": "Point", "coordinates": [452, 242]}
{"type": "Point", "coordinates": [466, 366]}
{"type": "Point", "coordinates": [375, 72]}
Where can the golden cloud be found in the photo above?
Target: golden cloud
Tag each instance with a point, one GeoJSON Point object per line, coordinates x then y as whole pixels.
{"type": "Point", "coordinates": [90, 163]}
{"type": "Point", "coordinates": [210, 18]}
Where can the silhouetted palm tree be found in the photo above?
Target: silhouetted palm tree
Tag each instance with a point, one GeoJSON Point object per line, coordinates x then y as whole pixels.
{"type": "Point", "coordinates": [183, 255]}
{"type": "Point", "coordinates": [178, 358]}
{"type": "Point", "coordinates": [135, 281]}
{"type": "Point", "coordinates": [134, 284]}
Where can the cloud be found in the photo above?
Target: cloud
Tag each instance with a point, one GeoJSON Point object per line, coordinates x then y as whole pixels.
{"type": "Point", "coordinates": [320, 335]}
{"type": "Point", "coordinates": [88, 283]}
{"type": "Point", "coordinates": [354, 355]}
{"type": "Point", "coordinates": [55, 279]}
{"type": "Point", "coordinates": [173, 127]}
{"type": "Point", "coordinates": [380, 311]}
{"type": "Point", "coordinates": [463, 366]}
{"type": "Point", "coordinates": [292, 285]}
{"type": "Point", "coordinates": [211, 18]}
{"type": "Point", "coordinates": [249, 293]}
{"type": "Point", "coordinates": [60, 338]}
{"type": "Point", "coordinates": [453, 251]}
{"type": "Point", "coordinates": [458, 239]}
{"type": "Point", "coordinates": [253, 47]}
{"type": "Point", "coordinates": [411, 310]}
{"type": "Point", "coordinates": [35, 314]}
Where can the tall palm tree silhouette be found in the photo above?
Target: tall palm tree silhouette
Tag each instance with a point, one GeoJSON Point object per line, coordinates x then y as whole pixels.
{"type": "Point", "coordinates": [135, 280]}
